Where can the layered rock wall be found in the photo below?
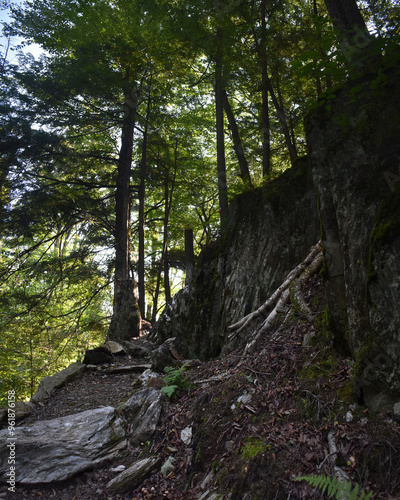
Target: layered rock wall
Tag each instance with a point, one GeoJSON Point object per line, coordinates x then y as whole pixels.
{"type": "Point", "coordinates": [270, 230]}
{"type": "Point", "coordinates": [354, 145]}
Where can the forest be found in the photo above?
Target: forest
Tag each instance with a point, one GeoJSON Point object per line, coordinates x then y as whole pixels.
{"type": "Point", "coordinates": [123, 144]}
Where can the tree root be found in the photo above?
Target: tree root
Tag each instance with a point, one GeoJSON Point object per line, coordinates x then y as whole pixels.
{"type": "Point", "coordinates": [296, 294]}
{"type": "Point", "coordinates": [333, 452]}
{"type": "Point", "coordinates": [279, 298]}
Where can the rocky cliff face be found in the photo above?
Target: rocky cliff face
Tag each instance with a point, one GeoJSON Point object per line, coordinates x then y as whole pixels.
{"type": "Point", "coordinates": [353, 170]}
{"type": "Point", "coordinates": [270, 230]}
{"type": "Point", "coordinates": [354, 145]}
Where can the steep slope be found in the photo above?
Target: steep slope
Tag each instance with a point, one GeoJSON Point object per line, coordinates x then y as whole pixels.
{"type": "Point", "coordinates": [257, 423]}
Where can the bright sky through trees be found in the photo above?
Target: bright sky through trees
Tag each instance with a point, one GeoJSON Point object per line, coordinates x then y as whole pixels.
{"type": "Point", "coordinates": [10, 45]}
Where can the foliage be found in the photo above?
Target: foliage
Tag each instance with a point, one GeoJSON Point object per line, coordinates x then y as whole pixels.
{"type": "Point", "coordinates": [61, 119]}
{"type": "Point", "coordinates": [51, 309]}
{"type": "Point", "coordinates": [335, 488]}
{"type": "Point", "coordinates": [174, 381]}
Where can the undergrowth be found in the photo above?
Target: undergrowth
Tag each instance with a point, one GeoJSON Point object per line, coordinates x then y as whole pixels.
{"type": "Point", "coordinates": [174, 381]}
{"type": "Point", "coordinates": [341, 490]}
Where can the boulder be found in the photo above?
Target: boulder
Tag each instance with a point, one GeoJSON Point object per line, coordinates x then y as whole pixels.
{"type": "Point", "coordinates": [143, 412]}
{"type": "Point", "coordinates": [134, 475]}
{"type": "Point", "coordinates": [114, 347]}
{"type": "Point", "coordinates": [22, 410]}
{"type": "Point", "coordinates": [146, 377]}
{"type": "Point", "coordinates": [165, 355]}
{"type": "Point", "coordinates": [97, 356]}
{"type": "Point", "coordinates": [55, 450]}
{"type": "Point", "coordinates": [138, 348]}
{"type": "Point", "coordinates": [49, 384]}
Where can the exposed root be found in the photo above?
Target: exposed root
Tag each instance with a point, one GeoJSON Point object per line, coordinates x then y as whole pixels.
{"type": "Point", "coordinates": [296, 294]}
{"type": "Point", "coordinates": [278, 300]}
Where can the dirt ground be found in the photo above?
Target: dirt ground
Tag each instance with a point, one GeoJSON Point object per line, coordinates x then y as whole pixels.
{"type": "Point", "coordinates": [258, 423]}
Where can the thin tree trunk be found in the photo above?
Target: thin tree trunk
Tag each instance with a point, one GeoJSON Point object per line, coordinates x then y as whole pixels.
{"type": "Point", "coordinates": [142, 195]}
{"type": "Point", "coordinates": [156, 295]}
{"type": "Point", "coordinates": [268, 88]}
{"type": "Point", "coordinates": [323, 56]}
{"type": "Point", "coordinates": [164, 266]}
{"type": "Point", "coordinates": [265, 121]}
{"type": "Point", "coordinates": [237, 142]}
{"type": "Point", "coordinates": [168, 197]}
{"type": "Point", "coordinates": [167, 287]}
{"type": "Point", "coordinates": [280, 111]}
{"type": "Point", "coordinates": [219, 114]}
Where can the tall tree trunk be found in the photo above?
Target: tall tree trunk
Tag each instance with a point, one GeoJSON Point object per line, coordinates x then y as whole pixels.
{"type": "Point", "coordinates": [265, 121]}
{"type": "Point", "coordinates": [164, 265]}
{"type": "Point", "coordinates": [237, 142]}
{"type": "Point", "coordinates": [169, 193]}
{"type": "Point", "coordinates": [268, 88]}
{"type": "Point", "coordinates": [125, 322]}
{"type": "Point", "coordinates": [346, 16]}
{"type": "Point", "coordinates": [219, 115]}
{"type": "Point", "coordinates": [167, 287]}
{"type": "Point", "coordinates": [142, 195]}
{"type": "Point", "coordinates": [318, 84]}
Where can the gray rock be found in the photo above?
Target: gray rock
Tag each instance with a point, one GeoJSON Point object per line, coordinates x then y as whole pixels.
{"type": "Point", "coordinates": [168, 466]}
{"type": "Point", "coordinates": [138, 348]}
{"type": "Point", "coordinates": [49, 384]}
{"type": "Point", "coordinates": [396, 409]}
{"type": "Point", "coordinates": [355, 165]}
{"type": "Point", "coordinates": [143, 411]}
{"type": "Point", "coordinates": [165, 355]}
{"type": "Point", "coordinates": [134, 475]}
{"type": "Point", "coordinates": [270, 230]}
{"type": "Point", "coordinates": [114, 347]}
{"type": "Point", "coordinates": [97, 356]}
{"type": "Point", "coordinates": [55, 450]}
{"type": "Point", "coordinates": [22, 410]}
{"type": "Point", "coordinates": [129, 368]}
{"type": "Point", "coordinates": [146, 376]}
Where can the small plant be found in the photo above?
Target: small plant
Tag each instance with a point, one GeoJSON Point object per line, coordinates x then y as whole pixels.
{"type": "Point", "coordinates": [174, 381]}
{"type": "Point", "coordinates": [254, 447]}
{"type": "Point", "coordinates": [341, 490]}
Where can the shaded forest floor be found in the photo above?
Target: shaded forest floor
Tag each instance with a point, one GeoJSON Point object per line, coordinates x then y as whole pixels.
{"type": "Point", "coordinates": [257, 425]}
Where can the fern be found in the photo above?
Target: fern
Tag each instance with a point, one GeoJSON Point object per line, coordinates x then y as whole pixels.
{"type": "Point", "coordinates": [341, 490]}
{"type": "Point", "coordinates": [170, 390]}
{"type": "Point", "coordinates": [174, 381]}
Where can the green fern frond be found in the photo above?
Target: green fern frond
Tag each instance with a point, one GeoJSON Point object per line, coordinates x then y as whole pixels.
{"type": "Point", "coordinates": [341, 490]}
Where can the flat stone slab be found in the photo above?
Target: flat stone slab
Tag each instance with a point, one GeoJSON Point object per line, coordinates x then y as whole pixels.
{"type": "Point", "coordinates": [49, 384]}
{"type": "Point", "coordinates": [134, 475]}
{"type": "Point", "coordinates": [55, 450]}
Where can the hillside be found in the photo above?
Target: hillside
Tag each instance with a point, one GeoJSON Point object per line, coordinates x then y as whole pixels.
{"type": "Point", "coordinates": [257, 422]}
